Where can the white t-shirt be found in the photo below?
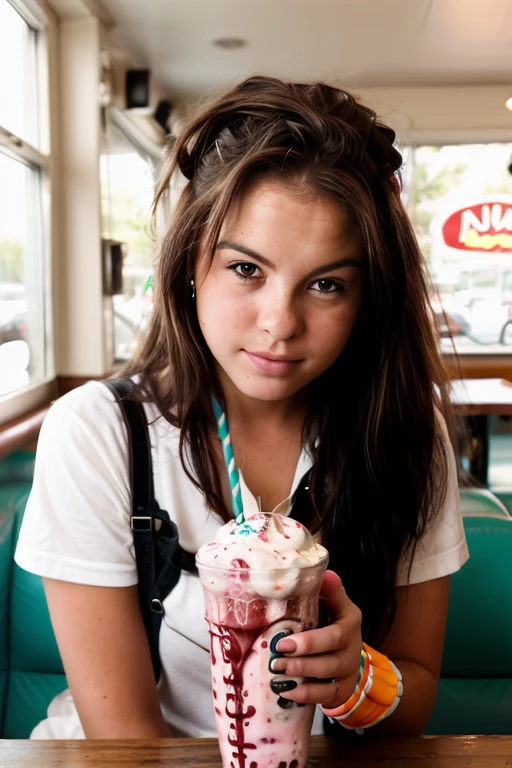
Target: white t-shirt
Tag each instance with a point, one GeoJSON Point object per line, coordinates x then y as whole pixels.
{"type": "Point", "coordinates": [76, 528]}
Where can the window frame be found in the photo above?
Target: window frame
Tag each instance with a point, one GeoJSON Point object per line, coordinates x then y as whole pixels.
{"type": "Point", "coordinates": [43, 23]}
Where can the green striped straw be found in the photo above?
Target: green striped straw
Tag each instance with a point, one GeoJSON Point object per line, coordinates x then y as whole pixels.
{"type": "Point", "coordinates": [227, 448]}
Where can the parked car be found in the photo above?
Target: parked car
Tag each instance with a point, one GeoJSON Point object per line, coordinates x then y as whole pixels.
{"type": "Point", "coordinates": [14, 328]}
{"type": "Point", "coordinates": [14, 342]}
{"type": "Point", "coordinates": [13, 312]}
{"type": "Point", "coordinates": [488, 315]}
{"type": "Point", "coordinates": [506, 334]}
{"type": "Point", "coordinates": [485, 318]}
{"type": "Point", "coordinates": [449, 319]}
{"type": "Point", "coordinates": [481, 298]}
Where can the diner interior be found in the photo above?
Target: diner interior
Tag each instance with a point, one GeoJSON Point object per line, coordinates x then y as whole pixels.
{"type": "Point", "coordinates": [91, 94]}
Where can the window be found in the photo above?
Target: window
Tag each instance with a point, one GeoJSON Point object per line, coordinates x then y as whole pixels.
{"type": "Point", "coordinates": [460, 201]}
{"type": "Point", "coordinates": [23, 202]}
{"type": "Point", "coordinates": [128, 186]}
{"type": "Point", "coordinates": [18, 51]}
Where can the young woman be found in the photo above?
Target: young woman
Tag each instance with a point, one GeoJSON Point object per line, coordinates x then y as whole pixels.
{"type": "Point", "coordinates": [289, 286]}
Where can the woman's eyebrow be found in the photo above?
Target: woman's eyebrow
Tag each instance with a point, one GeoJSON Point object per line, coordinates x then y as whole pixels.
{"type": "Point", "coordinates": [229, 245]}
{"type": "Point", "coordinates": [347, 262]}
{"type": "Point", "coordinates": [350, 261]}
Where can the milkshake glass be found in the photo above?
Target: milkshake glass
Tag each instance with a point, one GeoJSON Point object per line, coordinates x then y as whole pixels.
{"type": "Point", "coordinates": [261, 582]}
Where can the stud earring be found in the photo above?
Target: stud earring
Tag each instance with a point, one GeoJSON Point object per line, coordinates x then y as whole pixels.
{"type": "Point", "coordinates": [193, 288]}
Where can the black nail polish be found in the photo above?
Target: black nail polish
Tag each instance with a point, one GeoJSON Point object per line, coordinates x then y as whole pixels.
{"type": "Point", "coordinates": [277, 638]}
{"type": "Point", "coordinates": [285, 703]}
{"type": "Point", "coordinates": [279, 686]}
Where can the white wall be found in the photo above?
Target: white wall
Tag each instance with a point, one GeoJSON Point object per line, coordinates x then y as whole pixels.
{"type": "Point", "coordinates": [449, 114]}
{"type": "Point", "coordinates": [79, 317]}
{"type": "Point", "coordinates": [432, 114]}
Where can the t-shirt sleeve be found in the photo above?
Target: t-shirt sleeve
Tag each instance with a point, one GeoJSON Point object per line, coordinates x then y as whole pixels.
{"type": "Point", "coordinates": [443, 549]}
{"type": "Point", "coordinates": [76, 525]}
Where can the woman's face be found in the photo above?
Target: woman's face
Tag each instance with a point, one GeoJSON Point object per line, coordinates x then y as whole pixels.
{"type": "Point", "coordinates": [281, 296]}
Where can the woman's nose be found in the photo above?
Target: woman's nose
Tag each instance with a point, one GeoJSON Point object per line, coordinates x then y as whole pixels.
{"type": "Point", "coordinates": [280, 317]}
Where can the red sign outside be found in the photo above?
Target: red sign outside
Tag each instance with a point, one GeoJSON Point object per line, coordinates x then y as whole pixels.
{"type": "Point", "coordinates": [483, 227]}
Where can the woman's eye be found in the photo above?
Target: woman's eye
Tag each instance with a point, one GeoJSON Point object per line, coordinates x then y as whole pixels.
{"type": "Point", "coordinates": [244, 269]}
{"type": "Point", "coordinates": [326, 285]}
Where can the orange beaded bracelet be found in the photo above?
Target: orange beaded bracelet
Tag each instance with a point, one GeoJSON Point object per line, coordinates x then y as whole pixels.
{"type": "Point", "coordinates": [376, 695]}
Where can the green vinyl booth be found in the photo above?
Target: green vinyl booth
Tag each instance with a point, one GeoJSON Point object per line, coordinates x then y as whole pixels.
{"type": "Point", "coordinates": [478, 502]}
{"type": "Point", "coordinates": [475, 692]}
{"type": "Point", "coordinates": [31, 671]}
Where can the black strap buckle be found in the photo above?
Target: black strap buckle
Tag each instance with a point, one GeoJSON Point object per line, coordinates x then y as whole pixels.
{"type": "Point", "coordinates": [142, 523]}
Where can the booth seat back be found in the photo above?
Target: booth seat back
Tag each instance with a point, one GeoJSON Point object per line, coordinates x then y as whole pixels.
{"type": "Point", "coordinates": [31, 670]}
{"type": "Point", "coordinates": [8, 497]}
{"type": "Point", "coordinates": [481, 502]}
{"type": "Point", "coordinates": [17, 468]}
{"type": "Point", "coordinates": [475, 691]}
{"type": "Point", "coordinates": [15, 479]}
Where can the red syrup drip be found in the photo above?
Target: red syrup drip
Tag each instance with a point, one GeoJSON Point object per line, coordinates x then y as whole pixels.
{"type": "Point", "coordinates": [233, 655]}
{"type": "Point", "coordinates": [235, 706]}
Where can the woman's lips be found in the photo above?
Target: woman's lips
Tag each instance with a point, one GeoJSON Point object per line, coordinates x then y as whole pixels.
{"type": "Point", "coordinates": [271, 366]}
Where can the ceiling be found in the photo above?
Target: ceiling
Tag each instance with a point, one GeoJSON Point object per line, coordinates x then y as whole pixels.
{"type": "Point", "coordinates": [360, 43]}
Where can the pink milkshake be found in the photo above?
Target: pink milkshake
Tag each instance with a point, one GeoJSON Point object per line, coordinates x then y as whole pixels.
{"type": "Point", "coordinates": [261, 582]}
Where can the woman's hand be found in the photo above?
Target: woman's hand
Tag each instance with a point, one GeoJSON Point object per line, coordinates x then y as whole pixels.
{"type": "Point", "coordinates": [329, 656]}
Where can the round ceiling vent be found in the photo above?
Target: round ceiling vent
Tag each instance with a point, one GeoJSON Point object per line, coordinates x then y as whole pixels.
{"type": "Point", "coordinates": [230, 43]}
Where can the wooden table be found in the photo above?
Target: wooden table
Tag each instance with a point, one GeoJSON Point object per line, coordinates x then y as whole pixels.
{"type": "Point", "coordinates": [476, 400]}
{"type": "Point", "coordinates": [482, 397]}
{"type": "Point", "coordinates": [438, 752]}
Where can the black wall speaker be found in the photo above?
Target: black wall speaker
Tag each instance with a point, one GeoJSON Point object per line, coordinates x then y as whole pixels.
{"type": "Point", "coordinates": [162, 115]}
{"type": "Point", "coordinates": [113, 253]}
{"type": "Point", "coordinates": [137, 88]}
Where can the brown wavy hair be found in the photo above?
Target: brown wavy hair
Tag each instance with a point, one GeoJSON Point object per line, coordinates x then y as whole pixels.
{"type": "Point", "coordinates": [380, 469]}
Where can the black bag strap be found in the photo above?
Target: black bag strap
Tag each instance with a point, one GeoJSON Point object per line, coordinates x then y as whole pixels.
{"type": "Point", "coordinates": [141, 472]}
{"type": "Point", "coordinates": [158, 554]}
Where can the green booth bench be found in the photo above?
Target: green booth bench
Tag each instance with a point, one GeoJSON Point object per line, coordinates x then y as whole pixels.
{"type": "Point", "coordinates": [31, 671]}
{"type": "Point", "coordinates": [475, 691]}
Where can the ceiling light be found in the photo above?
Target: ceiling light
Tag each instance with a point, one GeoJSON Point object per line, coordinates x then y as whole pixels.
{"type": "Point", "coordinates": [230, 43]}
{"type": "Point", "coordinates": [508, 103]}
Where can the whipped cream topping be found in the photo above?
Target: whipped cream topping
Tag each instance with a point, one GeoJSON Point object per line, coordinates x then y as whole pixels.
{"type": "Point", "coordinates": [265, 555]}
